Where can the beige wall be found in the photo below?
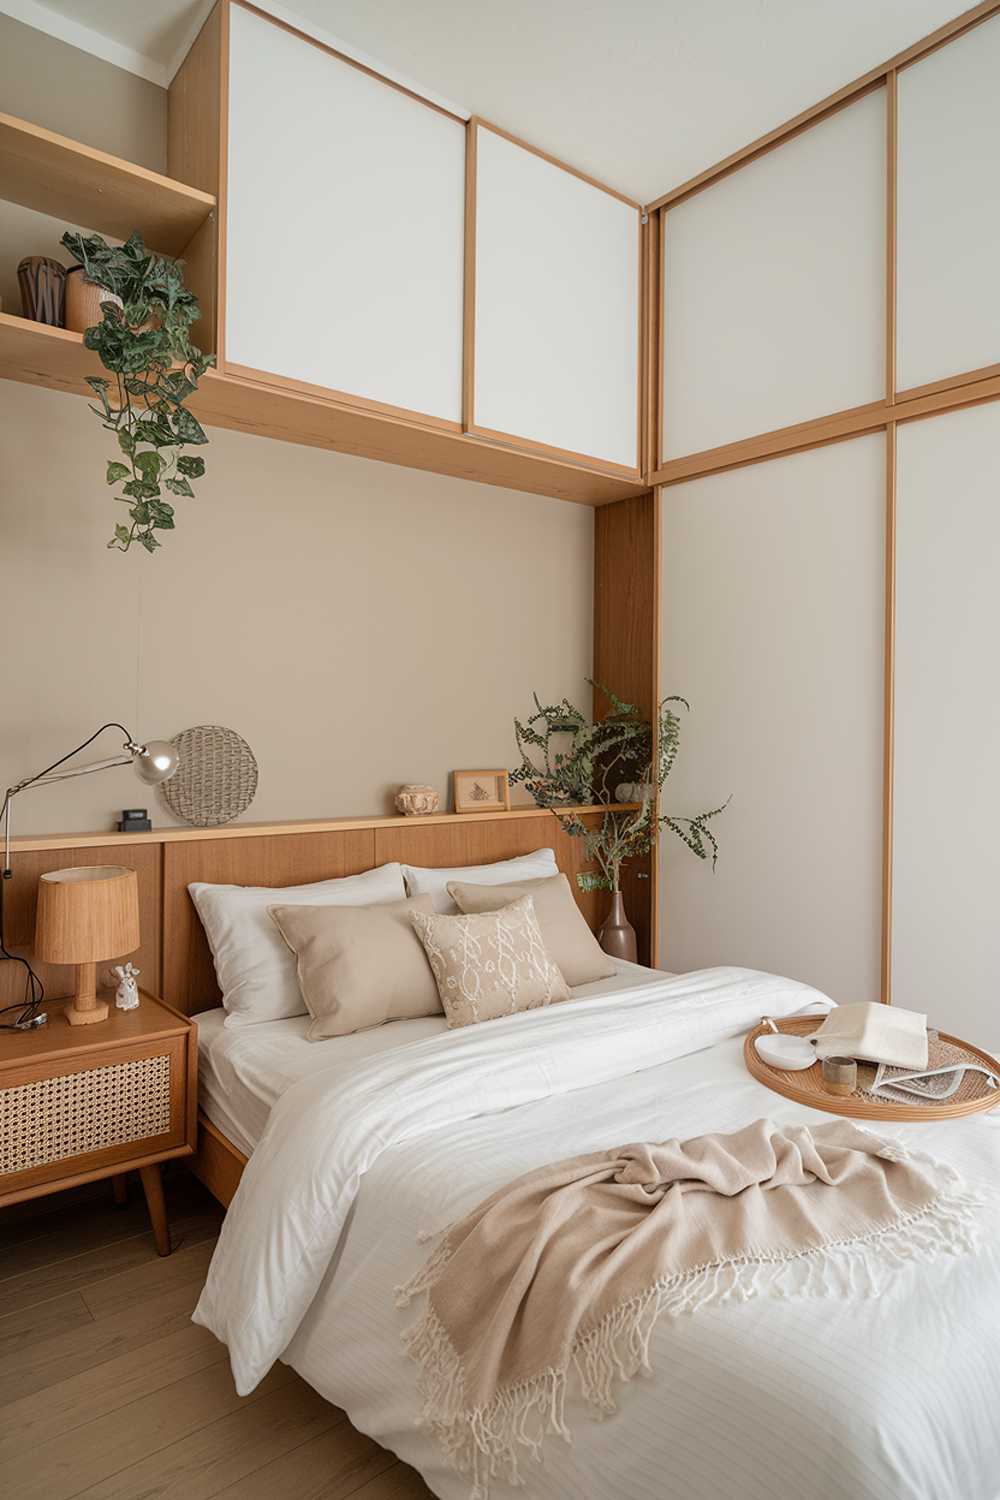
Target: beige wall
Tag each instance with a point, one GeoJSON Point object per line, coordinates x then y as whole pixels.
{"type": "Point", "coordinates": [360, 625]}
{"type": "Point", "coordinates": [52, 84]}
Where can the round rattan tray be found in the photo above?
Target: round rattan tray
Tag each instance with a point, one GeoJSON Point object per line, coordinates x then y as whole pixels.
{"type": "Point", "coordinates": [806, 1087]}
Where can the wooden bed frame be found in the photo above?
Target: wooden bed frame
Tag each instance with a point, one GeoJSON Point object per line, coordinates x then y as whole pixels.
{"type": "Point", "coordinates": [174, 957]}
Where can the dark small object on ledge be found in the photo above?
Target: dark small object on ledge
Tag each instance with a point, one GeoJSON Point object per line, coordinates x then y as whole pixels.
{"type": "Point", "coordinates": [134, 820]}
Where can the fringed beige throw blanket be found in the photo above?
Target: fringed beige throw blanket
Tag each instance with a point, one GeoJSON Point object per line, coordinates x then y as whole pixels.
{"type": "Point", "coordinates": [570, 1266]}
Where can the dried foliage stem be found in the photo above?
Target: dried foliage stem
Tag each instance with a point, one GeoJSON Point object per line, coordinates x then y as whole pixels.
{"type": "Point", "coordinates": [593, 758]}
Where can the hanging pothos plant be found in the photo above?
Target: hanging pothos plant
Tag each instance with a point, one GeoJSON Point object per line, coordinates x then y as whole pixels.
{"type": "Point", "coordinates": [592, 759]}
{"type": "Point", "coordinates": [143, 340]}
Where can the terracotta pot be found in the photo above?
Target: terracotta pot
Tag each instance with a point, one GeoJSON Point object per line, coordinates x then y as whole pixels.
{"type": "Point", "coordinates": [43, 289]}
{"type": "Point", "coordinates": [83, 300]}
{"type": "Point", "coordinates": [617, 935]}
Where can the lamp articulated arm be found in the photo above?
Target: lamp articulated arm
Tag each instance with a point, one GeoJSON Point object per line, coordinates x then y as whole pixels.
{"type": "Point", "coordinates": [155, 761]}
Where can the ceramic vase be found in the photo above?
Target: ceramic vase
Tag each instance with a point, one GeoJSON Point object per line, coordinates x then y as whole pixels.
{"type": "Point", "coordinates": [43, 289]}
{"type": "Point", "coordinates": [617, 935]}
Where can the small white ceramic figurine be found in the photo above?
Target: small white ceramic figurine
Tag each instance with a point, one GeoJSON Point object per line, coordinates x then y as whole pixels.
{"type": "Point", "coordinates": [127, 994]}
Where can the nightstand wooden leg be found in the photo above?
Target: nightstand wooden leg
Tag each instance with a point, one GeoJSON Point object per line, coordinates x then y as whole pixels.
{"type": "Point", "coordinates": [152, 1186]}
{"type": "Point", "coordinates": [119, 1186]}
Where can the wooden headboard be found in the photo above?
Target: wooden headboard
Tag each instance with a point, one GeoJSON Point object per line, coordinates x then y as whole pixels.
{"type": "Point", "coordinates": [174, 957]}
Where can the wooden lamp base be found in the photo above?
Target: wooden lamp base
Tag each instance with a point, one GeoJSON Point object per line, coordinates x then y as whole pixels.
{"type": "Point", "coordinates": [85, 1008]}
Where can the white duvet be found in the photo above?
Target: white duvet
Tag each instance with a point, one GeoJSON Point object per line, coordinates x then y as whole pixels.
{"type": "Point", "coordinates": [879, 1400]}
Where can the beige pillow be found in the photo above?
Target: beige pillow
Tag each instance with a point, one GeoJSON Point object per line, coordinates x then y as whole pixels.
{"type": "Point", "coordinates": [359, 965]}
{"type": "Point", "coordinates": [490, 964]}
{"type": "Point", "coordinates": [563, 926]}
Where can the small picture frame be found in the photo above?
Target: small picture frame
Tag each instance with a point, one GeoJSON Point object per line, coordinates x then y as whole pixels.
{"type": "Point", "coordinates": [481, 791]}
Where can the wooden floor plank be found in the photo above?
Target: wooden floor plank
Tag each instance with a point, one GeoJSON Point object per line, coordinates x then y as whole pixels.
{"type": "Point", "coordinates": [108, 1391]}
{"type": "Point", "coordinates": [150, 1277]}
{"type": "Point", "coordinates": [71, 1348]}
{"type": "Point", "coordinates": [20, 1220]}
{"type": "Point", "coordinates": [26, 1325]}
{"type": "Point", "coordinates": [95, 1266]}
{"type": "Point", "coordinates": [81, 1458]}
{"type": "Point", "coordinates": [398, 1483]}
{"type": "Point", "coordinates": [227, 1452]}
{"type": "Point", "coordinates": [55, 1240]}
{"type": "Point", "coordinates": [31, 1423]}
{"type": "Point", "coordinates": [330, 1467]}
{"type": "Point", "coordinates": [56, 1235]}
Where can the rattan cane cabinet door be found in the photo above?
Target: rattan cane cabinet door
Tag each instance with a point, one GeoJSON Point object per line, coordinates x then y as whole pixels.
{"type": "Point", "coordinates": [79, 1115]}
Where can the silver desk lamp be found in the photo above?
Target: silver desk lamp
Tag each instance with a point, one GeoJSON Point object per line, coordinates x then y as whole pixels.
{"type": "Point", "coordinates": [154, 762]}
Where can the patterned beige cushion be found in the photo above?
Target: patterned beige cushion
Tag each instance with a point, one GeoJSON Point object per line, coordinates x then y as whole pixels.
{"type": "Point", "coordinates": [490, 964]}
{"type": "Point", "coordinates": [574, 948]}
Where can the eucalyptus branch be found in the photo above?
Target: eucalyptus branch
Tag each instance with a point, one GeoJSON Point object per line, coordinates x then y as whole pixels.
{"type": "Point", "coordinates": [596, 754]}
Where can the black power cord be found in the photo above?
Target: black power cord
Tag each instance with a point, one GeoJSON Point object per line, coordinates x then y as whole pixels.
{"type": "Point", "coordinates": [34, 990]}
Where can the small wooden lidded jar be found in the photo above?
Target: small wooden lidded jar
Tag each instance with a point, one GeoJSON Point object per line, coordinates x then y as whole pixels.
{"type": "Point", "coordinates": [840, 1075]}
{"type": "Point", "coordinates": [86, 915]}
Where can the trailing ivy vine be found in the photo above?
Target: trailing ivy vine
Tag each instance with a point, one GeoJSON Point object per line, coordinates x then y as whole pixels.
{"type": "Point", "coordinates": [144, 342]}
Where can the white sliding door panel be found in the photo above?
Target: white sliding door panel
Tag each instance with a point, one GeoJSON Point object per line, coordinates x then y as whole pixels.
{"type": "Point", "coordinates": [949, 210]}
{"type": "Point", "coordinates": [557, 306]}
{"type": "Point", "coordinates": [345, 226]}
{"type": "Point", "coordinates": [946, 851]}
{"type": "Point", "coordinates": [775, 287]}
{"type": "Point", "coordinates": [772, 628]}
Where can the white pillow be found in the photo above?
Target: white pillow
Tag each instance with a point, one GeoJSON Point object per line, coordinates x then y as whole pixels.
{"type": "Point", "coordinates": [426, 882]}
{"type": "Point", "coordinates": [253, 963]}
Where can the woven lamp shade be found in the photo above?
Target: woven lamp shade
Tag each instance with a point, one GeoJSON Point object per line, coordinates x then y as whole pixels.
{"type": "Point", "coordinates": [86, 915]}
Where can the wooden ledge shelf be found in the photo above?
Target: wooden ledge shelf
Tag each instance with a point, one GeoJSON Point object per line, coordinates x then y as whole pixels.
{"type": "Point", "coordinates": [54, 357]}
{"type": "Point", "coordinates": [82, 185]}
{"type": "Point", "coordinates": [42, 842]}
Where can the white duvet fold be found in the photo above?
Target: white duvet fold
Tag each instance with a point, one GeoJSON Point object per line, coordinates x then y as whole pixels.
{"type": "Point", "coordinates": [284, 1225]}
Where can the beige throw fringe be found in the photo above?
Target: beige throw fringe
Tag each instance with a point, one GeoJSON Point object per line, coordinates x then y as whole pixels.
{"type": "Point", "coordinates": [571, 1266]}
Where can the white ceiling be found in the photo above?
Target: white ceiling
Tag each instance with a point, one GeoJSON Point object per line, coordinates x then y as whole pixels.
{"type": "Point", "coordinates": [641, 93]}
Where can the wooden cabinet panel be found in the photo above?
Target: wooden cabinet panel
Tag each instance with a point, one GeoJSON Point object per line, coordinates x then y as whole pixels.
{"type": "Point", "coordinates": [82, 1115]}
{"type": "Point", "coordinates": [946, 802]}
{"type": "Point", "coordinates": [949, 210]}
{"type": "Point", "coordinates": [778, 646]}
{"type": "Point", "coordinates": [774, 287]}
{"type": "Point", "coordinates": [555, 323]}
{"type": "Point", "coordinates": [345, 226]}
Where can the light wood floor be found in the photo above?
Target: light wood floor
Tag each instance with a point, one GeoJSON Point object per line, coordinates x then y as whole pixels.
{"type": "Point", "coordinates": [109, 1391]}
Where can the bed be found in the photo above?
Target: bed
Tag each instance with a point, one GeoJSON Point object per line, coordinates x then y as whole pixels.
{"type": "Point", "coordinates": [359, 1145]}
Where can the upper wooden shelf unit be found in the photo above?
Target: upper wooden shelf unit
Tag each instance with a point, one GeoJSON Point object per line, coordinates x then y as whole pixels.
{"type": "Point", "coordinates": [54, 357]}
{"type": "Point", "coordinates": [81, 185]}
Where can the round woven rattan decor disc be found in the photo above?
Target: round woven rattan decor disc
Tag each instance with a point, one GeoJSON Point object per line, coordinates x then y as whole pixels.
{"type": "Point", "coordinates": [807, 1086]}
{"type": "Point", "coordinates": [216, 779]}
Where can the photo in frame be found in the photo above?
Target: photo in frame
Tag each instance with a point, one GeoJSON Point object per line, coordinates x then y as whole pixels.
{"type": "Point", "coordinates": [481, 791]}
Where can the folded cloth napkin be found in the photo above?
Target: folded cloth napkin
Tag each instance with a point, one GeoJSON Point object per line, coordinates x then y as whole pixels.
{"type": "Point", "coordinates": [570, 1266]}
{"type": "Point", "coordinates": [877, 1033]}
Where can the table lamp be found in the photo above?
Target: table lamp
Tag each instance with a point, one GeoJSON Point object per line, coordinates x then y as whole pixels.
{"type": "Point", "coordinates": [87, 915]}
{"type": "Point", "coordinates": [153, 762]}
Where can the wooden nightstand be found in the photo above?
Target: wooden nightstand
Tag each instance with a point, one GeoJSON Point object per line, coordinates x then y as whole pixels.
{"type": "Point", "coordinates": [82, 1102]}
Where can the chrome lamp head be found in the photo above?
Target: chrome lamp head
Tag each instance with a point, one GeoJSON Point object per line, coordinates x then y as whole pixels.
{"type": "Point", "coordinates": [155, 761]}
